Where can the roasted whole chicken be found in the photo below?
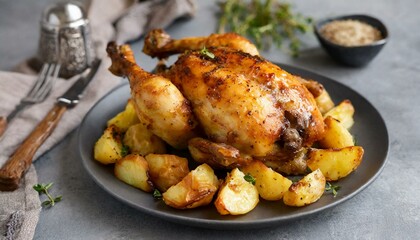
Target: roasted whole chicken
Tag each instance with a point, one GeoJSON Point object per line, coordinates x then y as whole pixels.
{"type": "Point", "coordinates": [222, 101]}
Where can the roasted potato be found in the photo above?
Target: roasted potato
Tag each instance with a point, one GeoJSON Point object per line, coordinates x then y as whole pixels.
{"type": "Point", "coordinates": [236, 196]}
{"type": "Point", "coordinates": [133, 170]}
{"type": "Point", "coordinates": [324, 102]}
{"type": "Point", "coordinates": [140, 140]}
{"type": "Point", "coordinates": [196, 189]}
{"type": "Point", "coordinates": [166, 170]}
{"type": "Point", "coordinates": [126, 118]}
{"type": "Point", "coordinates": [108, 149]}
{"type": "Point", "coordinates": [271, 185]}
{"type": "Point", "coordinates": [306, 191]}
{"type": "Point", "coordinates": [343, 112]}
{"type": "Point", "coordinates": [336, 135]}
{"type": "Point", "coordinates": [335, 163]}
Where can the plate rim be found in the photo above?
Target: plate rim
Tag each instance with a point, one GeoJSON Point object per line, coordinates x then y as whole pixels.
{"type": "Point", "coordinates": [231, 223]}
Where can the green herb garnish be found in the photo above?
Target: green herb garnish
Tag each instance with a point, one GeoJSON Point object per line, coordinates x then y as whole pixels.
{"type": "Point", "coordinates": [264, 21]}
{"type": "Point", "coordinates": [355, 140]}
{"type": "Point", "coordinates": [125, 150]}
{"type": "Point", "coordinates": [43, 189]}
{"type": "Point", "coordinates": [249, 178]}
{"type": "Point", "coordinates": [205, 52]}
{"type": "Point", "coordinates": [157, 194]}
{"type": "Point", "coordinates": [332, 188]}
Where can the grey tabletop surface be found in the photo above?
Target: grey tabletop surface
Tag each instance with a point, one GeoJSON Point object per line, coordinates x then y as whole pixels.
{"type": "Point", "coordinates": [388, 209]}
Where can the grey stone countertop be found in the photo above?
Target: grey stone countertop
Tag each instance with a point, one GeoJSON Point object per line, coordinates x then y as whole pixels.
{"type": "Point", "coordinates": [387, 209]}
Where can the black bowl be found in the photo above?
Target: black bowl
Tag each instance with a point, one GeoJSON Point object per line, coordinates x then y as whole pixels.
{"type": "Point", "coordinates": [358, 55]}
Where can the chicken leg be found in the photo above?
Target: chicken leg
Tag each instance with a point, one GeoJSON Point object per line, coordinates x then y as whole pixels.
{"type": "Point", "coordinates": [159, 104]}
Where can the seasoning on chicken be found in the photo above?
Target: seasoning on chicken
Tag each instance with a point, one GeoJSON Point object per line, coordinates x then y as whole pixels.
{"type": "Point", "coordinates": [235, 99]}
{"type": "Point", "coordinates": [159, 104]}
{"type": "Point", "coordinates": [159, 44]}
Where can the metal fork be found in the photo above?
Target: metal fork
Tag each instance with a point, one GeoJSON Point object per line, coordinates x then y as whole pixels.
{"type": "Point", "coordinates": [38, 93]}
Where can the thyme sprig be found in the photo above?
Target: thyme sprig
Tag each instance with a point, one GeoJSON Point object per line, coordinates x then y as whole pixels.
{"type": "Point", "coordinates": [333, 188]}
{"type": "Point", "coordinates": [43, 189]}
{"type": "Point", "coordinates": [264, 22]}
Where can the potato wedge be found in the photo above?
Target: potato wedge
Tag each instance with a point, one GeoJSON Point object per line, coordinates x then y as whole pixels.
{"type": "Point", "coordinates": [324, 102]}
{"type": "Point", "coordinates": [108, 149]}
{"type": "Point", "coordinates": [236, 195]}
{"type": "Point", "coordinates": [195, 190]}
{"type": "Point", "coordinates": [126, 118]}
{"type": "Point", "coordinates": [306, 191]}
{"type": "Point", "coordinates": [271, 185]}
{"type": "Point", "coordinates": [343, 112]}
{"type": "Point", "coordinates": [335, 163]}
{"type": "Point", "coordinates": [133, 170]}
{"type": "Point", "coordinates": [166, 170]}
{"type": "Point", "coordinates": [336, 135]}
{"type": "Point", "coordinates": [140, 140]}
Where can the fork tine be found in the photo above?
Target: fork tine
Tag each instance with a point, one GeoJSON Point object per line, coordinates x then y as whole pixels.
{"type": "Point", "coordinates": [50, 80]}
{"type": "Point", "coordinates": [39, 81]}
{"type": "Point", "coordinates": [41, 84]}
{"type": "Point", "coordinates": [44, 83]}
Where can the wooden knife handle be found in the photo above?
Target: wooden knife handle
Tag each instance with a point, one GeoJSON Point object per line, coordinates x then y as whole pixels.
{"type": "Point", "coordinates": [3, 125]}
{"type": "Point", "coordinates": [19, 162]}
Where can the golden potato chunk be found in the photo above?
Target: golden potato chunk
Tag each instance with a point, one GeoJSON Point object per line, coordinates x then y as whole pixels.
{"type": "Point", "coordinates": [335, 135]}
{"type": "Point", "coordinates": [166, 170]}
{"type": "Point", "coordinates": [140, 140]}
{"type": "Point", "coordinates": [108, 149]}
{"type": "Point", "coordinates": [126, 118]}
{"type": "Point", "coordinates": [236, 196]}
{"type": "Point", "coordinates": [324, 102]}
{"type": "Point", "coordinates": [306, 191]}
{"type": "Point", "coordinates": [335, 163]}
{"type": "Point", "coordinates": [133, 170]}
{"type": "Point", "coordinates": [343, 112]}
{"type": "Point", "coordinates": [196, 189]}
{"type": "Point", "coordinates": [271, 185]}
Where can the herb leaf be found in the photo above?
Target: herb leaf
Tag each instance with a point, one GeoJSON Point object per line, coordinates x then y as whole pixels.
{"type": "Point", "coordinates": [38, 187]}
{"type": "Point", "coordinates": [205, 52]}
{"type": "Point", "coordinates": [157, 194]}
{"type": "Point", "coordinates": [125, 150]}
{"type": "Point", "coordinates": [48, 186]}
{"type": "Point", "coordinates": [249, 178]}
{"type": "Point", "coordinates": [333, 188]}
{"type": "Point", "coordinates": [265, 22]}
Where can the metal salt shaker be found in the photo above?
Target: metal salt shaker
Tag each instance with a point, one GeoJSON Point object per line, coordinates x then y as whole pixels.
{"type": "Point", "coordinates": [65, 38]}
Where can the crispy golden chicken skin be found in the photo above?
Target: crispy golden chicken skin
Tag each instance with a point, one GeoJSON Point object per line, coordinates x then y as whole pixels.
{"type": "Point", "coordinates": [249, 107]}
{"type": "Point", "coordinates": [159, 44]}
{"type": "Point", "coordinates": [247, 102]}
{"type": "Point", "coordinates": [159, 103]}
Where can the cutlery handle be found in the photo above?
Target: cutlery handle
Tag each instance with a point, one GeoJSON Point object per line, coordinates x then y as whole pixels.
{"type": "Point", "coordinates": [19, 162]}
{"type": "Point", "coordinates": [3, 125]}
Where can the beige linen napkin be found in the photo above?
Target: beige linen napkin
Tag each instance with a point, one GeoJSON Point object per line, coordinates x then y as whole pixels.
{"type": "Point", "coordinates": [110, 20]}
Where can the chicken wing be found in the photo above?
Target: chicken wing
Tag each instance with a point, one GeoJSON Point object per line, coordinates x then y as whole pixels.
{"type": "Point", "coordinates": [159, 44]}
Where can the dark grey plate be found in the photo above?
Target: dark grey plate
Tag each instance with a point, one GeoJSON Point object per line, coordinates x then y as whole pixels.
{"type": "Point", "coordinates": [369, 130]}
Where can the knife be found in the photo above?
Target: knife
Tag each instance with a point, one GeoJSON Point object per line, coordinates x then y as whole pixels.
{"type": "Point", "coordinates": [21, 159]}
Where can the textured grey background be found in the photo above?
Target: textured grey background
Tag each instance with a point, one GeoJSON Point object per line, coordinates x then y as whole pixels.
{"type": "Point", "coordinates": [387, 209]}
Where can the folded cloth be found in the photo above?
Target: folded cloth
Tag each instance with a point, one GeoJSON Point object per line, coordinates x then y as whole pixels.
{"type": "Point", "coordinates": [110, 20]}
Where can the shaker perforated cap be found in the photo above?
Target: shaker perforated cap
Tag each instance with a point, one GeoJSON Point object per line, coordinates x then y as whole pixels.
{"type": "Point", "coordinates": [63, 15]}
